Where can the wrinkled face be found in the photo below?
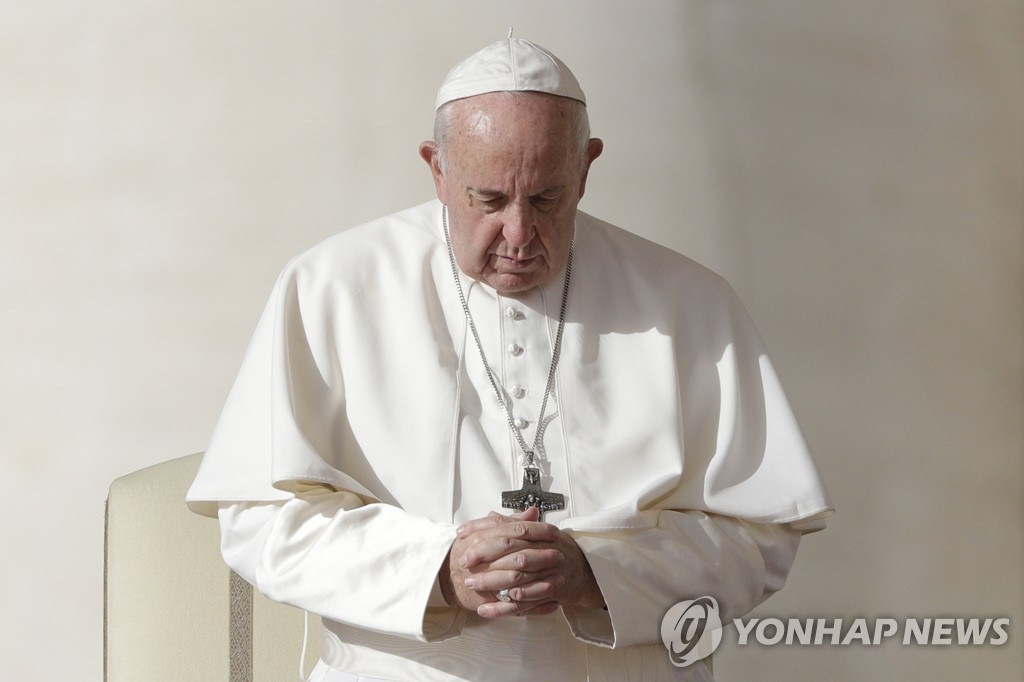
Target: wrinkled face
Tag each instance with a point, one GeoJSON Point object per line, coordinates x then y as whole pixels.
{"type": "Point", "coordinates": [511, 180]}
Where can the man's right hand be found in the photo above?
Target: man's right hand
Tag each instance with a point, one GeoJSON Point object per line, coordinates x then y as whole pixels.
{"type": "Point", "coordinates": [536, 561]}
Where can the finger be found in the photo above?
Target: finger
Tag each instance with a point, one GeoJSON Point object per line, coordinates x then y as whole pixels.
{"type": "Point", "coordinates": [505, 609]}
{"type": "Point", "coordinates": [492, 581]}
{"type": "Point", "coordinates": [529, 514]}
{"type": "Point", "coordinates": [476, 525]}
{"type": "Point", "coordinates": [500, 609]}
{"type": "Point", "coordinates": [487, 550]}
{"type": "Point", "coordinates": [503, 538]}
{"type": "Point", "coordinates": [495, 519]}
{"type": "Point", "coordinates": [540, 590]}
{"type": "Point", "coordinates": [524, 587]}
{"type": "Point", "coordinates": [528, 557]}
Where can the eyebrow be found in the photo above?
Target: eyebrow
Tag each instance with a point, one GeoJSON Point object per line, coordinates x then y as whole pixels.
{"type": "Point", "coordinates": [485, 192]}
{"type": "Point", "coordinates": [481, 191]}
{"type": "Point", "coordinates": [551, 190]}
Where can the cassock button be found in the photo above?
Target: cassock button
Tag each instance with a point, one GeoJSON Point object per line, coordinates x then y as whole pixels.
{"type": "Point", "coordinates": [514, 313]}
{"type": "Point", "coordinates": [515, 349]}
{"type": "Point", "coordinates": [518, 391]}
{"type": "Point", "coordinates": [521, 423]}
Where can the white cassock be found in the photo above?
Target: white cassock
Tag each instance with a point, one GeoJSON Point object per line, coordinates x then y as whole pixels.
{"type": "Point", "coordinates": [362, 430]}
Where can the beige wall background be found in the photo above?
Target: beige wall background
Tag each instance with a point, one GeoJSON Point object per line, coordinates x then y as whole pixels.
{"type": "Point", "coordinates": [855, 168]}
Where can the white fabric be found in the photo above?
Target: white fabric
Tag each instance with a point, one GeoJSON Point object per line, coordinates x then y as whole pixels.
{"type": "Point", "coordinates": [509, 65]}
{"type": "Point", "coordinates": [324, 673]}
{"type": "Point", "coordinates": [680, 460]}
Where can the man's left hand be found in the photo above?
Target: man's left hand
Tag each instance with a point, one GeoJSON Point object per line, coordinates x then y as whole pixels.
{"type": "Point", "coordinates": [539, 565]}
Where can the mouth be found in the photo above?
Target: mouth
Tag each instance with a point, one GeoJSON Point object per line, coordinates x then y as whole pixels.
{"type": "Point", "coordinates": [517, 263]}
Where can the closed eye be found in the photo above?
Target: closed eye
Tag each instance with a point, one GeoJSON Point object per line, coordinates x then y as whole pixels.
{"type": "Point", "coordinates": [548, 198]}
{"type": "Point", "coordinates": [490, 202]}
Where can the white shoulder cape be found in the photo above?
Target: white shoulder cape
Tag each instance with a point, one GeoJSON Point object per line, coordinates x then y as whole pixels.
{"type": "Point", "coordinates": [667, 397]}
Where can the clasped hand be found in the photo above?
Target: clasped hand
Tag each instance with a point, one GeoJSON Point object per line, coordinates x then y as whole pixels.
{"type": "Point", "coordinates": [540, 566]}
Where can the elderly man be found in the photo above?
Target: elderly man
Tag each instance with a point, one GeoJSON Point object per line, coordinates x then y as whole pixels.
{"type": "Point", "coordinates": [494, 438]}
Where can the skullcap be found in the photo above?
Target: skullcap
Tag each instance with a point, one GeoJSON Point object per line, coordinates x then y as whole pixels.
{"type": "Point", "coordinates": [514, 65]}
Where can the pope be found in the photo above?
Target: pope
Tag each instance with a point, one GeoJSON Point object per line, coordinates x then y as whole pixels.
{"type": "Point", "coordinates": [492, 437]}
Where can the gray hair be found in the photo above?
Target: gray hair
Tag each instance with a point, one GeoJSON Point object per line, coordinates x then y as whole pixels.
{"type": "Point", "coordinates": [443, 129]}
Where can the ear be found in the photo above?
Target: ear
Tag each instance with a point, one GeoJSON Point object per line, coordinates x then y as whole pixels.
{"type": "Point", "coordinates": [430, 154]}
{"type": "Point", "coordinates": [594, 148]}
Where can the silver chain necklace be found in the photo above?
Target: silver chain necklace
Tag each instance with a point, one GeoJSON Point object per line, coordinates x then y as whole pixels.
{"type": "Point", "coordinates": [531, 494]}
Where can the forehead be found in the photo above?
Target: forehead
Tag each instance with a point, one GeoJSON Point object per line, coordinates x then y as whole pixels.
{"type": "Point", "coordinates": [500, 131]}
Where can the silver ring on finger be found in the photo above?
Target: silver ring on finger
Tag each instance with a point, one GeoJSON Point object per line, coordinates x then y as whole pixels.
{"type": "Point", "coordinates": [504, 596]}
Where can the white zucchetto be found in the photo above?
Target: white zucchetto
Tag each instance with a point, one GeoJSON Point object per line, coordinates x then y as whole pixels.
{"type": "Point", "coordinates": [514, 65]}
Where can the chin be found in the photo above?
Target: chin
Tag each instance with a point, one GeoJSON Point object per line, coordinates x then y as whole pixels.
{"type": "Point", "coordinates": [514, 283]}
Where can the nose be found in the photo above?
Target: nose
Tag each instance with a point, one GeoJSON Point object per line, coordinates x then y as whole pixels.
{"type": "Point", "coordinates": [519, 228]}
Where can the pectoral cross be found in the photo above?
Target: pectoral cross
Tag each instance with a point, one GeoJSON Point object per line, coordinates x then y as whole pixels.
{"type": "Point", "coordinates": [531, 495]}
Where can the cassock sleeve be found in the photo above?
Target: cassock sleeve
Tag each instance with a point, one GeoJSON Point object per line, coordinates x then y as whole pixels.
{"type": "Point", "coordinates": [720, 482]}
{"type": "Point", "coordinates": [371, 566]}
{"type": "Point", "coordinates": [680, 555]}
{"type": "Point", "coordinates": [296, 522]}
